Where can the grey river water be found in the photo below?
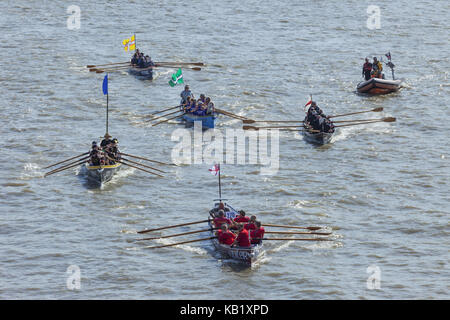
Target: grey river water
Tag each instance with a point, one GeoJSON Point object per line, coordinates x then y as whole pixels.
{"type": "Point", "coordinates": [382, 188]}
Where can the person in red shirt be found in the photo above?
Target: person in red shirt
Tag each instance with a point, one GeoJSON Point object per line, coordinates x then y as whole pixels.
{"type": "Point", "coordinates": [218, 221]}
{"type": "Point", "coordinates": [225, 236]}
{"type": "Point", "coordinates": [242, 239]}
{"type": "Point", "coordinates": [251, 224]}
{"type": "Point", "coordinates": [258, 234]}
{"type": "Point", "coordinates": [242, 217]}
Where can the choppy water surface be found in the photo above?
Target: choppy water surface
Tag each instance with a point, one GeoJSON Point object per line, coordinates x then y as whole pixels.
{"type": "Point", "coordinates": [382, 188]}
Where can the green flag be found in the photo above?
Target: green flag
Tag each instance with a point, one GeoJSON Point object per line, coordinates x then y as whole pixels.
{"type": "Point", "coordinates": [176, 78]}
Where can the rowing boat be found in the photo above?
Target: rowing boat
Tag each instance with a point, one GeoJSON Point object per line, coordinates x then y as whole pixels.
{"type": "Point", "coordinates": [315, 137]}
{"type": "Point", "coordinates": [379, 86]}
{"type": "Point", "coordinates": [208, 121]}
{"type": "Point", "coordinates": [246, 256]}
{"type": "Point", "coordinates": [101, 174]}
{"type": "Point", "coordinates": [141, 73]}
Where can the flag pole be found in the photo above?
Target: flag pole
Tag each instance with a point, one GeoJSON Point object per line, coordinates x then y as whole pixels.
{"type": "Point", "coordinates": [135, 43]}
{"type": "Point", "coordinates": [107, 110]}
{"type": "Point", "coordinates": [220, 188]}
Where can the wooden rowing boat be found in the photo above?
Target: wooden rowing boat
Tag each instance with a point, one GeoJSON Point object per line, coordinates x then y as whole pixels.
{"type": "Point", "coordinates": [379, 86]}
{"type": "Point", "coordinates": [141, 73]}
{"type": "Point", "coordinates": [246, 256]}
{"type": "Point", "coordinates": [101, 174]}
{"type": "Point", "coordinates": [208, 121]}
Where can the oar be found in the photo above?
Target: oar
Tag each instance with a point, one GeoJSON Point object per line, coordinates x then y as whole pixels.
{"type": "Point", "coordinates": [181, 63]}
{"type": "Point", "coordinates": [173, 226]}
{"type": "Point", "coordinates": [70, 163]}
{"type": "Point", "coordinates": [281, 128]}
{"type": "Point", "coordinates": [283, 232]}
{"type": "Point", "coordinates": [130, 165]}
{"type": "Point", "coordinates": [107, 64]}
{"type": "Point", "coordinates": [178, 243]}
{"type": "Point", "coordinates": [362, 120]}
{"type": "Point", "coordinates": [64, 168]}
{"type": "Point", "coordinates": [174, 66]}
{"type": "Point", "coordinates": [232, 115]}
{"type": "Point", "coordinates": [248, 121]}
{"type": "Point", "coordinates": [298, 239]}
{"type": "Point", "coordinates": [141, 158]}
{"type": "Point", "coordinates": [155, 124]}
{"type": "Point", "coordinates": [389, 119]}
{"type": "Point", "coordinates": [66, 160]}
{"type": "Point", "coordinates": [176, 235]}
{"type": "Point", "coordinates": [144, 165]}
{"type": "Point", "coordinates": [291, 227]}
{"type": "Point", "coordinates": [168, 114]}
{"type": "Point", "coordinates": [348, 114]}
{"type": "Point", "coordinates": [156, 112]}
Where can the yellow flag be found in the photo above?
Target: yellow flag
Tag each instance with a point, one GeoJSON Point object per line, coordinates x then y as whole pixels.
{"type": "Point", "coordinates": [129, 44]}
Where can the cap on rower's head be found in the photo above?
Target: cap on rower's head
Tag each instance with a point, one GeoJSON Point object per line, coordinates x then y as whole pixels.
{"type": "Point", "coordinates": [94, 143]}
{"type": "Point", "coordinates": [242, 212]}
{"type": "Point", "coordinates": [253, 218]}
{"type": "Point", "coordinates": [224, 226]}
{"type": "Point", "coordinates": [186, 87]}
{"type": "Point", "coordinates": [221, 213]}
{"type": "Point", "coordinates": [313, 103]}
{"type": "Point", "coordinates": [107, 135]}
{"type": "Point", "coordinates": [115, 140]}
{"type": "Point", "coordinates": [258, 223]}
{"type": "Point", "coordinates": [221, 205]}
{"type": "Point", "coordinates": [374, 58]}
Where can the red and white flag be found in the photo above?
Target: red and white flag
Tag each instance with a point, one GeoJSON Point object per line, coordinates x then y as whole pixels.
{"type": "Point", "coordinates": [308, 103]}
{"type": "Point", "coordinates": [215, 169]}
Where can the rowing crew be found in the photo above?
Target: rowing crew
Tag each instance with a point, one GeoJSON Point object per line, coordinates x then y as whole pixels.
{"type": "Point", "coordinates": [141, 61]}
{"type": "Point", "coordinates": [318, 120]}
{"type": "Point", "coordinates": [106, 153]}
{"type": "Point", "coordinates": [242, 231]}
{"type": "Point", "coordinates": [201, 107]}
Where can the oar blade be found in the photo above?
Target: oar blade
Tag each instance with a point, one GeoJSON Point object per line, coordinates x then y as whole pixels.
{"type": "Point", "coordinates": [379, 109]}
{"type": "Point", "coordinates": [248, 121]}
{"type": "Point", "coordinates": [250, 128]}
{"type": "Point", "coordinates": [389, 119]}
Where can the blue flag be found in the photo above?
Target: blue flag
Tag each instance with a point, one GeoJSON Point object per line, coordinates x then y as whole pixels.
{"type": "Point", "coordinates": [105, 85]}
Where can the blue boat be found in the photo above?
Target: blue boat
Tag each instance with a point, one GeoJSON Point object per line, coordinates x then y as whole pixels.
{"type": "Point", "coordinates": [208, 121]}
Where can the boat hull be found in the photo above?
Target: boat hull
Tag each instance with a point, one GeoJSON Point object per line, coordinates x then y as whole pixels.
{"type": "Point", "coordinates": [101, 174]}
{"type": "Point", "coordinates": [379, 86]}
{"type": "Point", "coordinates": [141, 73]}
{"type": "Point", "coordinates": [319, 138]}
{"type": "Point", "coordinates": [208, 122]}
{"type": "Point", "coordinates": [245, 256]}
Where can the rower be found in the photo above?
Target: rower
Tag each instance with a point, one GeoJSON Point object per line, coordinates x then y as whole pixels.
{"type": "Point", "coordinates": [251, 224]}
{"type": "Point", "coordinates": [242, 217]}
{"type": "Point", "coordinates": [186, 93]}
{"type": "Point", "coordinates": [242, 239]}
{"type": "Point", "coordinates": [225, 236]}
{"type": "Point", "coordinates": [135, 57]}
{"type": "Point", "coordinates": [367, 68]}
{"type": "Point", "coordinates": [202, 98]}
{"type": "Point", "coordinates": [258, 234]}
{"type": "Point", "coordinates": [106, 140]}
{"type": "Point", "coordinates": [94, 154]}
{"type": "Point", "coordinates": [220, 219]}
{"type": "Point", "coordinates": [210, 106]}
